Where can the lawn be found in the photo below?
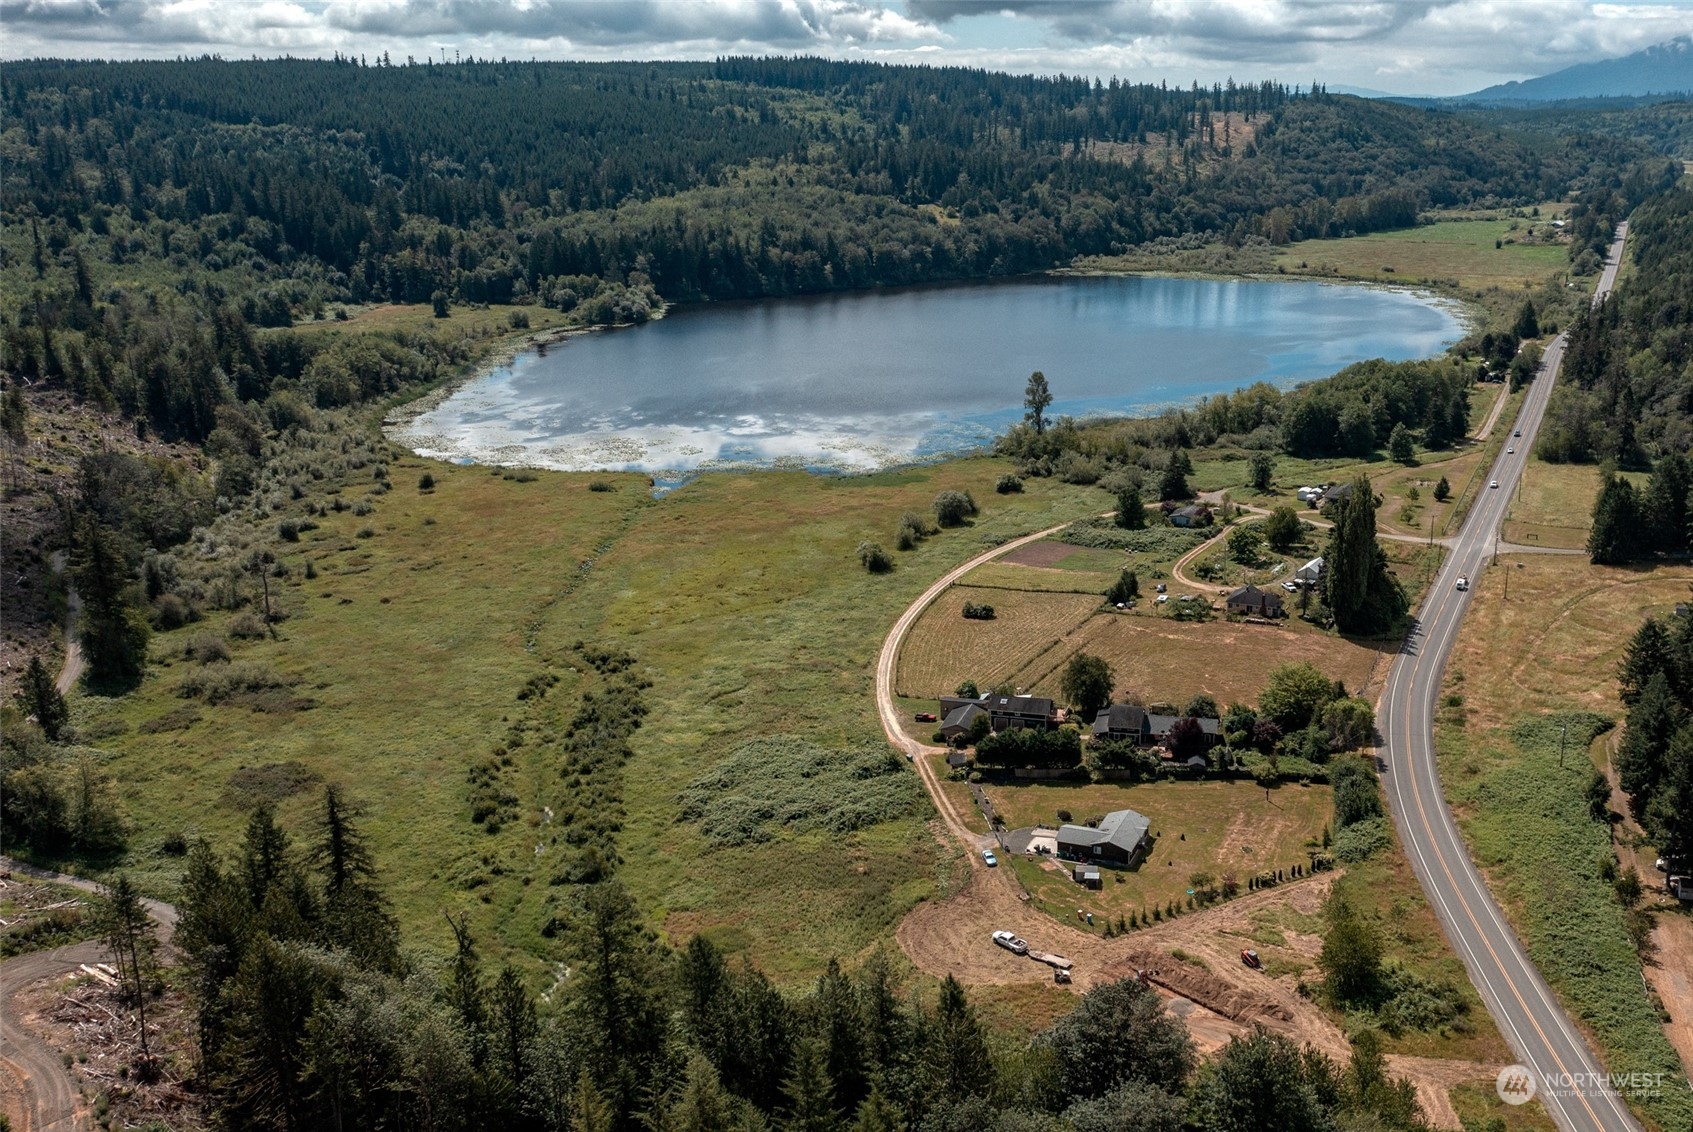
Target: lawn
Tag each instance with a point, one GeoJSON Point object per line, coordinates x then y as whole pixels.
{"type": "Point", "coordinates": [741, 598]}
{"type": "Point", "coordinates": [1218, 827]}
{"type": "Point", "coordinates": [1459, 250]}
{"type": "Point", "coordinates": [1553, 506]}
{"type": "Point", "coordinates": [1516, 777]}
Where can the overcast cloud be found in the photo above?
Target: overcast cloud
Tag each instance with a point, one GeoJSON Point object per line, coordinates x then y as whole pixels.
{"type": "Point", "coordinates": [1401, 46]}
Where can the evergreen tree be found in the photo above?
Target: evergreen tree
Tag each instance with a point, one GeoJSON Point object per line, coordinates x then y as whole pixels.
{"type": "Point", "coordinates": [128, 931]}
{"type": "Point", "coordinates": [1264, 1081]}
{"type": "Point", "coordinates": [1649, 652]}
{"type": "Point", "coordinates": [114, 633]}
{"type": "Point", "coordinates": [1173, 483]}
{"type": "Point", "coordinates": [1615, 537]}
{"type": "Point", "coordinates": [877, 1114]}
{"type": "Point", "coordinates": [840, 1026]}
{"type": "Point", "coordinates": [40, 699]}
{"type": "Point", "coordinates": [703, 1106]}
{"type": "Point", "coordinates": [1131, 511]}
{"type": "Point", "coordinates": [1665, 504]}
{"type": "Point", "coordinates": [1119, 1033]}
{"type": "Point", "coordinates": [1528, 323]}
{"type": "Point", "coordinates": [809, 1093]}
{"type": "Point", "coordinates": [1652, 723]}
{"type": "Point", "coordinates": [1669, 816]}
{"type": "Point", "coordinates": [1125, 589]}
{"type": "Point", "coordinates": [956, 1059]}
{"type": "Point", "coordinates": [1442, 491]}
{"type": "Point", "coordinates": [1458, 414]}
{"type": "Point", "coordinates": [1357, 586]}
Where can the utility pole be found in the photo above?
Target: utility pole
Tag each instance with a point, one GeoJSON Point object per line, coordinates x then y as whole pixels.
{"type": "Point", "coordinates": [1563, 730]}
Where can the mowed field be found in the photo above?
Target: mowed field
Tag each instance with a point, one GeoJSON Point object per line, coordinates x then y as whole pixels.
{"type": "Point", "coordinates": [944, 649]}
{"type": "Point", "coordinates": [1553, 506]}
{"type": "Point", "coordinates": [1217, 827]}
{"type": "Point", "coordinates": [1448, 249]}
{"type": "Point", "coordinates": [742, 599]}
{"type": "Point", "coordinates": [1162, 660]}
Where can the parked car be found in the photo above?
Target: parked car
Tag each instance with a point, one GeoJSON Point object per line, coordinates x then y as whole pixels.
{"type": "Point", "coordinates": [1463, 582]}
{"type": "Point", "coordinates": [987, 855]}
{"type": "Point", "coordinates": [1290, 587]}
{"type": "Point", "coordinates": [1060, 975]}
{"type": "Point", "coordinates": [925, 717]}
{"type": "Point", "coordinates": [1011, 943]}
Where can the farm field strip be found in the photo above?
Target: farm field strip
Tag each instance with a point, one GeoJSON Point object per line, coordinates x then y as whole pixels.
{"type": "Point", "coordinates": [945, 648]}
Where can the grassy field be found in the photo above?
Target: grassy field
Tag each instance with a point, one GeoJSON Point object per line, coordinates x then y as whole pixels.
{"type": "Point", "coordinates": [1523, 669]}
{"type": "Point", "coordinates": [740, 596]}
{"type": "Point", "coordinates": [1553, 506]}
{"type": "Point", "coordinates": [1454, 249]}
{"type": "Point", "coordinates": [943, 649]}
{"type": "Point", "coordinates": [1218, 827]}
{"type": "Point", "coordinates": [1166, 661]}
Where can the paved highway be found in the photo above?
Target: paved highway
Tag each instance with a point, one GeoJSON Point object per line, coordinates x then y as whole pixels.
{"type": "Point", "coordinates": [1535, 1026]}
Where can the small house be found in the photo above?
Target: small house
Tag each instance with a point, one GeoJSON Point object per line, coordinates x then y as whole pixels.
{"type": "Point", "coordinates": [958, 722]}
{"type": "Point", "coordinates": [1251, 601]}
{"type": "Point", "coordinates": [1121, 838]}
{"type": "Point", "coordinates": [1334, 494]}
{"type": "Point", "coordinates": [1087, 875]}
{"type": "Point", "coordinates": [957, 759]}
{"type": "Point", "coordinates": [1120, 722]}
{"type": "Point", "coordinates": [1310, 573]}
{"type": "Point", "coordinates": [1193, 515]}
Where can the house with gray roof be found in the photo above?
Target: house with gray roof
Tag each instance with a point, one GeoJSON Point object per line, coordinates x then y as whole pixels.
{"type": "Point", "coordinates": [1121, 838]}
{"type": "Point", "coordinates": [1002, 711]}
{"type": "Point", "coordinates": [1158, 728]}
{"type": "Point", "coordinates": [1120, 722]}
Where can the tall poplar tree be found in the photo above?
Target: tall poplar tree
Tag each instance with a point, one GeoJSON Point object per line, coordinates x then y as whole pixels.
{"type": "Point", "coordinates": [1357, 587]}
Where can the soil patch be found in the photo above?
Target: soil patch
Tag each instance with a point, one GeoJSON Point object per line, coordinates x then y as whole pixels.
{"type": "Point", "coordinates": [1042, 553]}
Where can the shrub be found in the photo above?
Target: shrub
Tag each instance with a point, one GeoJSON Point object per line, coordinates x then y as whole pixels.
{"type": "Point", "coordinates": [600, 485]}
{"type": "Point", "coordinates": [1008, 484]}
{"type": "Point", "coordinates": [953, 507]}
{"type": "Point", "coordinates": [767, 785]}
{"type": "Point", "coordinates": [874, 558]}
{"type": "Point", "coordinates": [366, 532]}
{"type": "Point", "coordinates": [426, 482]}
{"type": "Point", "coordinates": [518, 319]}
{"type": "Point", "coordinates": [205, 648]}
{"type": "Point", "coordinates": [978, 611]}
{"type": "Point", "coordinates": [219, 682]}
{"type": "Point", "coordinates": [1356, 797]}
{"type": "Point", "coordinates": [171, 612]}
{"type": "Point", "coordinates": [1362, 840]}
{"type": "Point", "coordinates": [1104, 534]}
{"type": "Point", "coordinates": [247, 626]}
{"type": "Point", "coordinates": [363, 507]}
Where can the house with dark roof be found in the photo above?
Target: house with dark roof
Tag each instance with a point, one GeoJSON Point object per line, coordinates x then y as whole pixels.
{"type": "Point", "coordinates": [1121, 838]}
{"type": "Point", "coordinates": [957, 723]}
{"type": "Point", "coordinates": [1158, 729]}
{"type": "Point", "coordinates": [1119, 723]}
{"type": "Point", "coordinates": [1254, 602]}
{"type": "Point", "coordinates": [1334, 494]}
{"type": "Point", "coordinates": [1002, 711]}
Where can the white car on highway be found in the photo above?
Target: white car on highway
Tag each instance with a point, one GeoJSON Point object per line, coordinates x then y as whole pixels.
{"type": "Point", "coordinates": [1495, 483]}
{"type": "Point", "coordinates": [1463, 582]}
{"type": "Point", "coordinates": [1011, 943]}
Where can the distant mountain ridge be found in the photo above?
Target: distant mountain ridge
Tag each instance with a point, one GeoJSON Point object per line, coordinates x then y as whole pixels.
{"type": "Point", "coordinates": [1664, 68]}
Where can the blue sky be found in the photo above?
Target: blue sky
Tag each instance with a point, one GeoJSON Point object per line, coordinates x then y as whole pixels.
{"type": "Point", "coordinates": [1397, 46]}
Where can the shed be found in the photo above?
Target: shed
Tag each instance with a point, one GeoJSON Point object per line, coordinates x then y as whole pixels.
{"type": "Point", "coordinates": [1310, 572]}
{"type": "Point", "coordinates": [1087, 875]}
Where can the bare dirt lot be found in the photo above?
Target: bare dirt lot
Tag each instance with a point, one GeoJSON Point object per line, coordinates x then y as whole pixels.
{"type": "Point", "coordinates": [1210, 989]}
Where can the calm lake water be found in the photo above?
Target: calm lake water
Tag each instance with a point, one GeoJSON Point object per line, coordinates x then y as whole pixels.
{"type": "Point", "coordinates": [868, 379]}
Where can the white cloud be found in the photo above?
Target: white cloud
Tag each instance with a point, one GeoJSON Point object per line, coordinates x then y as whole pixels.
{"type": "Point", "coordinates": [1413, 46]}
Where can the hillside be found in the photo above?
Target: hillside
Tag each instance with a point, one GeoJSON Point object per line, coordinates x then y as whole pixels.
{"type": "Point", "coordinates": [1663, 68]}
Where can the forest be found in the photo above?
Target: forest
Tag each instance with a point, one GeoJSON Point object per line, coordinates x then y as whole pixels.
{"type": "Point", "coordinates": [310, 1012]}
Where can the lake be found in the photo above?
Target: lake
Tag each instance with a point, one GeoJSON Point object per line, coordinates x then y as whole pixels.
{"type": "Point", "coordinates": [863, 380]}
